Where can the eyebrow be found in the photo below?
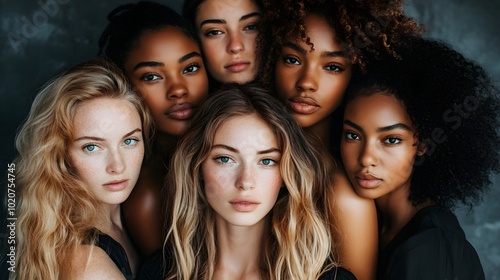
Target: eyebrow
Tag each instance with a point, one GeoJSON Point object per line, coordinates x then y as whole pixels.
{"type": "Point", "coordinates": [234, 150]}
{"type": "Point", "coordinates": [380, 129]}
{"type": "Point", "coordinates": [147, 64]}
{"type": "Point", "coordinates": [303, 51]}
{"type": "Point", "coordinates": [156, 63]}
{"type": "Point", "coordinates": [222, 21]}
{"type": "Point", "coordinates": [102, 139]}
{"type": "Point", "coordinates": [188, 56]}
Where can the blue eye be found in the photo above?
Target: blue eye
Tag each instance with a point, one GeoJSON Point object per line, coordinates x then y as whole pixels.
{"type": "Point", "coordinates": [130, 142]}
{"type": "Point", "coordinates": [150, 77]}
{"type": "Point", "coordinates": [90, 148]}
{"type": "Point", "coordinates": [223, 159]}
{"type": "Point", "coordinates": [268, 162]}
{"type": "Point", "coordinates": [191, 68]}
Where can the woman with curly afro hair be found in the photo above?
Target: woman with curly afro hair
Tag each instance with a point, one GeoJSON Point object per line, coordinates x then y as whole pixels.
{"type": "Point", "coordinates": [310, 50]}
{"type": "Point", "coordinates": [420, 137]}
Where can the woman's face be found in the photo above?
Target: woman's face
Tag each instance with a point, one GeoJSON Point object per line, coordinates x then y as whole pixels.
{"type": "Point", "coordinates": [228, 32]}
{"type": "Point", "coordinates": [378, 145]}
{"type": "Point", "coordinates": [108, 148]}
{"type": "Point", "coordinates": [312, 82]}
{"type": "Point", "coordinates": [241, 175]}
{"type": "Point", "coordinates": [167, 69]}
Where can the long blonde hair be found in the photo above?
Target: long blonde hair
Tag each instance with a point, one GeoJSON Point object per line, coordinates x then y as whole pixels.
{"type": "Point", "coordinates": [56, 209]}
{"type": "Point", "coordinates": [298, 241]}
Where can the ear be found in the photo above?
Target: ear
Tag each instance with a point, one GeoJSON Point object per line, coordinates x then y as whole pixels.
{"type": "Point", "coordinates": [422, 149]}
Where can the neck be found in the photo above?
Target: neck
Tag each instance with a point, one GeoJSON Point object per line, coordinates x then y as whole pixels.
{"type": "Point", "coordinates": [397, 210]}
{"type": "Point", "coordinates": [231, 241]}
{"type": "Point", "coordinates": [111, 219]}
{"type": "Point", "coordinates": [162, 148]}
{"type": "Point", "coordinates": [319, 133]}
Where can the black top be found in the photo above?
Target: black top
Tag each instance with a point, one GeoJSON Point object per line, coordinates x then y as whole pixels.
{"type": "Point", "coordinates": [154, 270]}
{"type": "Point", "coordinates": [116, 253]}
{"type": "Point", "coordinates": [431, 246]}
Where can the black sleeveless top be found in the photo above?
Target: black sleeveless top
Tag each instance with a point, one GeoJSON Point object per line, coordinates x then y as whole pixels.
{"type": "Point", "coordinates": [155, 269]}
{"type": "Point", "coordinates": [116, 253]}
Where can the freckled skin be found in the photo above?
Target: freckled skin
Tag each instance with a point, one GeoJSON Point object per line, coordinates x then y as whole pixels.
{"type": "Point", "coordinates": [242, 172]}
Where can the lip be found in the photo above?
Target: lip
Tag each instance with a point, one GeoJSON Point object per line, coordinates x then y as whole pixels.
{"type": "Point", "coordinates": [116, 185]}
{"type": "Point", "coordinates": [303, 105]}
{"type": "Point", "coordinates": [181, 111]}
{"type": "Point", "coordinates": [367, 180]}
{"type": "Point", "coordinates": [237, 66]}
{"type": "Point", "coordinates": [244, 205]}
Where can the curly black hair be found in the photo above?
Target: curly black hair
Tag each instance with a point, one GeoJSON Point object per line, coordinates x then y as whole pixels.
{"type": "Point", "coordinates": [454, 106]}
{"type": "Point", "coordinates": [365, 29]}
{"type": "Point", "coordinates": [127, 23]}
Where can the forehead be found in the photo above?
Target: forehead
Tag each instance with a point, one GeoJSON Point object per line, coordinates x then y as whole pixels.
{"type": "Point", "coordinates": [377, 108]}
{"type": "Point", "coordinates": [102, 116]}
{"type": "Point", "coordinates": [224, 8]}
{"type": "Point", "coordinates": [167, 37]}
{"type": "Point", "coordinates": [241, 130]}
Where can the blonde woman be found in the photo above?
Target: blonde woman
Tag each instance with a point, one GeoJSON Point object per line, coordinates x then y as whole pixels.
{"type": "Point", "coordinates": [80, 153]}
{"type": "Point", "coordinates": [241, 196]}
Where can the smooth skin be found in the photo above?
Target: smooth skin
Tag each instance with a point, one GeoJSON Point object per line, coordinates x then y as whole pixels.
{"type": "Point", "coordinates": [242, 180]}
{"type": "Point", "coordinates": [167, 69]}
{"type": "Point", "coordinates": [379, 146]}
{"type": "Point", "coordinates": [312, 83]}
{"type": "Point", "coordinates": [106, 154]}
{"type": "Point", "coordinates": [228, 30]}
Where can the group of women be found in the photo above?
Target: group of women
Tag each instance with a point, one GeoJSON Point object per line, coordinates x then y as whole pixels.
{"type": "Point", "coordinates": [252, 139]}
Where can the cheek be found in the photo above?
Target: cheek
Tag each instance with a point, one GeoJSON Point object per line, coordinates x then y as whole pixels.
{"type": "Point", "coordinates": [404, 165]}
{"type": "Point", "coordinates": [199, 87]}
{"type": "Point", "coordinates": [284, 81]}
{"type": "Point", "coordinates": [271, 181]}
{"type": "Point", "coordinates": [213, 52]}
{"type": "Point", "coordinates": [136, 157]}
{"type": "Point", "coordinates": [214, 180]}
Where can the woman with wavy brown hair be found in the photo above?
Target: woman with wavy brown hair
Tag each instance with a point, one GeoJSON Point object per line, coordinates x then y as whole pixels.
{"type": "Point", "coordinates": [241, 196]}
{"type": "Point", "coordinates": [80, 153]}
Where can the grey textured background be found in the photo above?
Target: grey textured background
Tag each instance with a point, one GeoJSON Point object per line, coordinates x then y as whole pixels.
{"type": "Point", "coordinates": [41, 38]}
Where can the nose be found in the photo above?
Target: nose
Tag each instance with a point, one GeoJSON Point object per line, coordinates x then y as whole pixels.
{"type": "Point", "coordinates": [307, 81]}
{"type": "Point", "coordinates": [368, 156]}
{"type": "Point", "coordinates": [235, 44]}
{"type": "Point", "coordinates": [116, 163]}
{"type": "Point", "coordinates": [177, 89]}
{"type": "Point", "coordinates": [246, 178]}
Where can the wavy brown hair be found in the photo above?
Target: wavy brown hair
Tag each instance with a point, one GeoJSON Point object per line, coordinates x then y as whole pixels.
{"type": "Point", "coordinates": [298, 240]}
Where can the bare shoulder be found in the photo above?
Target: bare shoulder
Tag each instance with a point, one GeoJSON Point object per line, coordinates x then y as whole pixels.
{"type": "Point", "coordinates": [344, 195]}
{"type": "Point", "coordinates": [92, 262]}
{"type": "Point", "coordinates": [357, 227]}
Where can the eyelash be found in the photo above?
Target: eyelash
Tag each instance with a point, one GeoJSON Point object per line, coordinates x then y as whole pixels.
{"type": "Point", "coordinates": [337, 69]}
{"type": "Point", "coordinates": [219, 159]}
{"type": "Point", "coordinates": [211, 33]}
{"type": "Point", "coordinates": [147, 75]}
{"type": "Point", "coordinates": [84, 148]}
{"type": "Point", "coordinates": [351, 136]}
{"type": "Point", "coordinates": [289, 59]}
{"type": "Point", "coordinates": [398, 140]}
{"type": "Point", "coordinates": [252, 27]}
{"type": "Point", "coordinates": [192, 65]}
